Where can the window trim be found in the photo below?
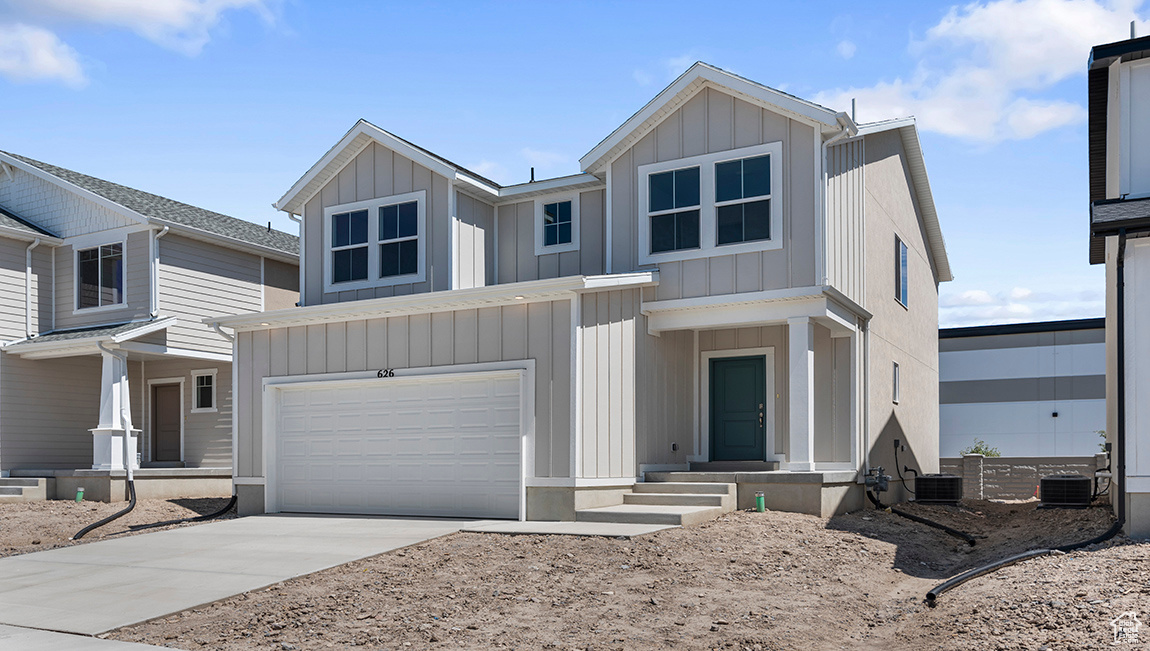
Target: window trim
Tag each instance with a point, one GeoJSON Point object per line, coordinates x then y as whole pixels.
{"type": "Point", "coordinates": [88, 245]}
{"type": "Point", "coordinates": [573, 245]}
{"type": "Point", "coordinates": [209, 372]}
{"type": "Point", "coordinates": [895, 388]}
{"type": "Point", "coordinates": [373, 242]}
{"type": "Point", "coordinates": [901, 290]}
{"type": "Point", "coordinates": [708, 226]}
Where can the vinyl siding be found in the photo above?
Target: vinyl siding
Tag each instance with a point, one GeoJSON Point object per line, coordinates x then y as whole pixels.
{"type": "Point", "coordinates": [199, 280]}
{"type": "Point", "coordinates": [517, 259]}
{"type": "Point", "coordinates": [476, 247]}
{"type": "Point", "coordinates": [207, 435]}
{"type": "Point", "coordinates": [539, 331]}
{"type": "Point", "coordinates": [137, 286]}
{"type": "Point", "coordinates": [59, 211]}
{"type": "Point", "coordinates": [378, 172]}
{"type": "Point", "coordinates": [281, 285]}
{"type": "Point", "coordinates": [13, 261]}
{"type": "Point", "coordinates": [845, 200]}
{"type": "Point", "coordinates": [709, 122]}
{"type": "Point", "coordinates": [69, 390]}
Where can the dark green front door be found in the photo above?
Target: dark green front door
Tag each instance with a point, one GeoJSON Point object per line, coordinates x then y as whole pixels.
{"type": "Point", "coordinates": [738, 386]}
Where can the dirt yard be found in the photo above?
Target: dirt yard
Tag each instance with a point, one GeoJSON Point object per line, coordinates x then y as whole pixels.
{"type": "Point", "coordinates": [35, 526]}
{"type": "Point", "coordinates": [745, 581]}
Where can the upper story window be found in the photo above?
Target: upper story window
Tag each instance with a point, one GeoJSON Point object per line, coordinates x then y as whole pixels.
{"type": "Point", "coordinates": [375, 243]}
{"type": "Point", "coordinates": [901, 286]}
{"type": "Point", "coordinates": [674, 210]}
{"type": "Point", "coordinates": [100, 276]}
{"type": "Point", "coordinates": [556, 224]}
{"type": "Point", "coordinates": [713, 204]}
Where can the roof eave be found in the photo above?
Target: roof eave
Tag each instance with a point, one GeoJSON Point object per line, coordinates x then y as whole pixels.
{"type": "Point", "coordinates": [908, 132]}
{"type": "Point", "coordinates": [230, 242]}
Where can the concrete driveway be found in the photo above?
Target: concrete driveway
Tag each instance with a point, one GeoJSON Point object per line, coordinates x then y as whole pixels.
{"type": "Point", "coordinates": [93, 588]}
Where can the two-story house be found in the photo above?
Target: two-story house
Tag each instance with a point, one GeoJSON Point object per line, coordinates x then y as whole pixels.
{"type": "Point", "coordinates": [740, 286]}
{"type": "Point", "coordinates": [103, 292]}
{"type": "Point", "coordinates": [1119, 157]}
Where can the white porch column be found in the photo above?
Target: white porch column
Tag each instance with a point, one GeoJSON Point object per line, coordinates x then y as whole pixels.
{"type": "Point", "coordinates": [115, 418]}
{"type": "Point", "coordinates": [801, 393]}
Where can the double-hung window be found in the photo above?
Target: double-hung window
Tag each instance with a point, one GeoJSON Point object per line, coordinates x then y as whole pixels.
{"type": "Point", "coordinates": [710, 205]}
{"type": "Point", "coordinates": [100, 276]}
{"type": "Point", "coordinates": [373, 243]}
{"type": "Point", "coordinates": [901, 285]}
{"type": "Point", "coordinates": [674, 210]}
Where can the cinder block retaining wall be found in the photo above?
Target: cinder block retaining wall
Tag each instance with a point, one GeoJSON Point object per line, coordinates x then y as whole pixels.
{"type": "Point", "coordinates": [1013, 478]}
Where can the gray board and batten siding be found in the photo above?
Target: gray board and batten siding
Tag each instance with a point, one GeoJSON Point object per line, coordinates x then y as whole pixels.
{"type": "Point", "coordinates": [517, 259]}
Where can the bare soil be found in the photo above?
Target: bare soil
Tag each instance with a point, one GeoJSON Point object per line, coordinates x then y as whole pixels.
{"type": "Point", "coordinates": [35, 526]}
{"type": "Point", "coordinates": [746, 580]}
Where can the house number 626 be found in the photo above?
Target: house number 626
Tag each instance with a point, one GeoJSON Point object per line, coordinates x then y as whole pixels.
{"type": "Point", "coordinates": [386, 372]}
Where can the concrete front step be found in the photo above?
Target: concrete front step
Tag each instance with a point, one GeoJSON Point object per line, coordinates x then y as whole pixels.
{"type": "Point", "coordinates": [673, 499]}
{"type": "Point", "coordinates": [695, 488]}
{"type": "Point", "coordinates": [733, 466]}
{"type": "Point", "coordinates": [650, 514]}
{"type": "Point", "coordinates": [33, 489]}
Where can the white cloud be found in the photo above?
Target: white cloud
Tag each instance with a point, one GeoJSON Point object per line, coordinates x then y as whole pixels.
{"type": "Point", "coordinates": [180, 25]}
{"type": "Point", "coordinates": [1020, 294]}
{"type": "Point", "coordinates": [671, 67]}
{"type": "Point", "coordinates": [846, 49]}
{"type": "Point", "coordinates": [544, 160]}
{"type": "Point", "coordinates": [1018, 305]}
{"type": "Point", "coordinates": [30, 53]}
{"type": "Point", "coordinates": [982, 70]}
{"type": "Point", "coordinates": [492, 170]}
{"type": "Point", "coordinates": [969, 297]}
{"type": "Point", "coordinates": [642, 77]}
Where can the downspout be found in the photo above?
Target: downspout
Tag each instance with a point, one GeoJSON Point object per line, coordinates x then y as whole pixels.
{"type": "Point", "coordinates": [1120, 486]}
{"type": "Point", "coordinates": [28, 287]}
{"type": "Point", "coordinates": [155, 294]}
{"type": "Point", "coordinates": [302, 257]}
{"type": "Point", "coordinates": [216, 327]}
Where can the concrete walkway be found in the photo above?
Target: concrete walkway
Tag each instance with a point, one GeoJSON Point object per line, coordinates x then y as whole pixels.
{"type": "Point", "coordinates": [28, 639]}
{"type": "Point", "coordinates": [97, 587]}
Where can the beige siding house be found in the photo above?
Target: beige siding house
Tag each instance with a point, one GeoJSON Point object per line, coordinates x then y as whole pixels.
{"type": "Point", "coordinates": [740, 288]}
{"type": "Point", "coordinates": [103, 295]}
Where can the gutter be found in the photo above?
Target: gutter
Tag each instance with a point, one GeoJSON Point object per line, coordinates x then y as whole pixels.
{"type": "Point", "coordinates": [28, 287]}
{"type": "Point", "coordinates": [302, 257]}
{"type": "Point", "coordinates": [154, 294]}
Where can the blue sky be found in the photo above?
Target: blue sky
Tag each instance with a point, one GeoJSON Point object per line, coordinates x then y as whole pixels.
{"type": "Point", "coordinates": [225, 103]}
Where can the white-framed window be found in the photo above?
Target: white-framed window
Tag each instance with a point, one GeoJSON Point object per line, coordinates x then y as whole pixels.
{"type": "Point", "coordinates": [556, 224]}
{"type": "Point", "coordinates": [100, 276]}
{"type": "Point", "coordinates": [901, 282]}
{"type": "Point", "coordinates": [713, 204]}
{"type": "Point", "coordinates": [894, 383]}
{"type": "Point", "coordinates": [375, 243]}
{"type": "Point", "coordinates": [204, 391]}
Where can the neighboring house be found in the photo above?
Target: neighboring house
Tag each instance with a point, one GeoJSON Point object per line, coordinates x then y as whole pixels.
{"type": "Point", "coordinates": [716, 286]}
{"type": "Point", "coordinates": [105, 289]}
{"type": "Point", "coordinates": [1119, 155]}
{"type": "Point", "coordinates": [1027, 389]}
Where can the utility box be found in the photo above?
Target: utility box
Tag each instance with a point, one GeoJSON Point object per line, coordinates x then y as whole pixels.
{"type": "Point", "coordinates": [1066, 491]}
{"type": "Point", "coordinates": [938, 489]}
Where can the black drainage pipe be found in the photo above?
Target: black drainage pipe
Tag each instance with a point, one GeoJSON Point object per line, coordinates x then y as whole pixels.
{"type": "Point", "coordinates": [969, 539]}
{"type": "Point", "coordinates": [119, 514]}
{"type": "Point", "coordinates": [199, 518]}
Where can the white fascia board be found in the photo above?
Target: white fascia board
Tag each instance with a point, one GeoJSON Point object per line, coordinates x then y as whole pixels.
{"type": "Point", "coordinates": [34, 349]}
{"type": "Point", "coordinates": [921, 182]}
{"type": "Point", "coordinates": [750, 308]}
{"type": "Point", "coordinates": [529, 291]}
{"type": "Point", "coordinates": [869, 128]}
{"type": "Point", "coordinates": [167, 351]}
{"type": "Point", "coordinates": [486, 191]}
{"type": "Point", "coordinates": [287, 202]}
{"type": "Point", "coordinates": [525, 190]}
{"type": "Point", "coordinates": [225, 241]}
{"type": "Point", "coordinates": [75, 189]}
{"type": "Point", "coordinates": [701, 71]}
{"type": "Point", "coordinates": [145, 329]}
{"type": "Point", "coordinates": [25, 236]}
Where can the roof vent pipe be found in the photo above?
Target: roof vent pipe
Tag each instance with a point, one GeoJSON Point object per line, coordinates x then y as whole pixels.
{"type": "Point", "coordinates": [1132, 31]}
{"type": "Point", "coordinates": [853, 118]}
{"type": "Point", "coordinates": [532, 175]}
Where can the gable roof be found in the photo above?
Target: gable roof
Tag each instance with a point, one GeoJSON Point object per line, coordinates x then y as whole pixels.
{"type": "Point", "coordinates": [908, 132]}
{"type": "Point", "coordinates": [684, 87]}
{"type": "Point", "coordinates": [152, 208]}
{"type": "Point", "coordinates": [9, 221]}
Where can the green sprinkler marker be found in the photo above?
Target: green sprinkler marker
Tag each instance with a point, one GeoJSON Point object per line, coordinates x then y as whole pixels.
{"type": "Point", "coordinates": [79, 494]}
{"type": "Point", "coordinates": [760, 501]}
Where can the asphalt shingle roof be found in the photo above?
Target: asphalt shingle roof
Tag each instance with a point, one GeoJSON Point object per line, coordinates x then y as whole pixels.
{"type": "Point", "coordinates": [161, 208]}
{"type": "Point", "coordinates": [10, 220]}
{"type": "Point", "coordinates": [1108, 212]}
{"type": "Point", "coordinates": [98, 332]}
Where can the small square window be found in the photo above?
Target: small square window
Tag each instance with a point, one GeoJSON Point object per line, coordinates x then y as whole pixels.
{"type": "Point", "coordinates": [556, 223]}
{"type": "Point", "coordinates": [204, 391]}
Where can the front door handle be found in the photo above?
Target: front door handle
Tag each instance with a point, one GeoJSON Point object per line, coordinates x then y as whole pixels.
{"type": "Point", "coordinates": [760, 415]}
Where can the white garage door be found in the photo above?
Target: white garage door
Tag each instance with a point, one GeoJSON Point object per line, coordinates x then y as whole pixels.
{"type": "Point", "coordinates": [441, 445]}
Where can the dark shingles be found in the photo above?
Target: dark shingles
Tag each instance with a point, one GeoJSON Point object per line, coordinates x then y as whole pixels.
{"type": "Point", "coordinates": [1119, 210]}
{"type": "Point", "coordinates": [167, 210]}
{"type": "Point", "coordinates": [99, 332]}
{"type": "Point", "coordinates": [10, 220]}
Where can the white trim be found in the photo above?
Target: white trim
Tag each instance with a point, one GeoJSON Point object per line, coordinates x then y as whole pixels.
{"type": "Point", "coordinates": [150, 419]}
{"type": "Point", "coordinates": [525, 368]}
{"type": "Point", "coordinates": [607, 252]}
{"type": "Point", "coordinates": [576, 464]}
{"type": "Point", "coordinates": [235, 419]}
{"type": "Point", "coordinates": [205, 372]}
{"type": "Point", "coordinates": [372, 207]}
{"type": "Point", "coordinates": [99, 240]}
{"type": "Point", "coordinates": [895, 382]}
{"type": "Point", "coordinates": [37, 348]}
{"type": "Point", "coordinates": [572, 183]}
{"type": "Point", "coordinates": [580, 482]}
{"type": "Point", "coordinates": [537, 225]}
{"type": "Point", "coordinates": [441, 301]}
{"type": "Point", "coordinates": [168, 351]}
{"type": "Point", "coordinates": [452, 237]}
{"type": "Point", "coordinates": [707, 204]}
{"type": "Point", "coordinates": [703, 398]}
{"type": "Point", "coordinates": [247, 481]}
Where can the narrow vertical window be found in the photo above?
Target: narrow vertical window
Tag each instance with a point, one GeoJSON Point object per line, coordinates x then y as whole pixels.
{"type": "Point", "coordinates": [349, 246]}
{"type": "Point", "coordinates": [895, 383]}
{"type": "Point", "coordinates": [901, 284]}
{"type": "Point", "coordinates": [398, 237]}
{"type": "Point", "coordinates": [100, 276]}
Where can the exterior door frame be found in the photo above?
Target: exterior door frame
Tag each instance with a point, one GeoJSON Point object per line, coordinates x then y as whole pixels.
{"type": "Point", "coordinates": [704, 398]}
{"type": "Point", "coordinates": [150, 417]}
